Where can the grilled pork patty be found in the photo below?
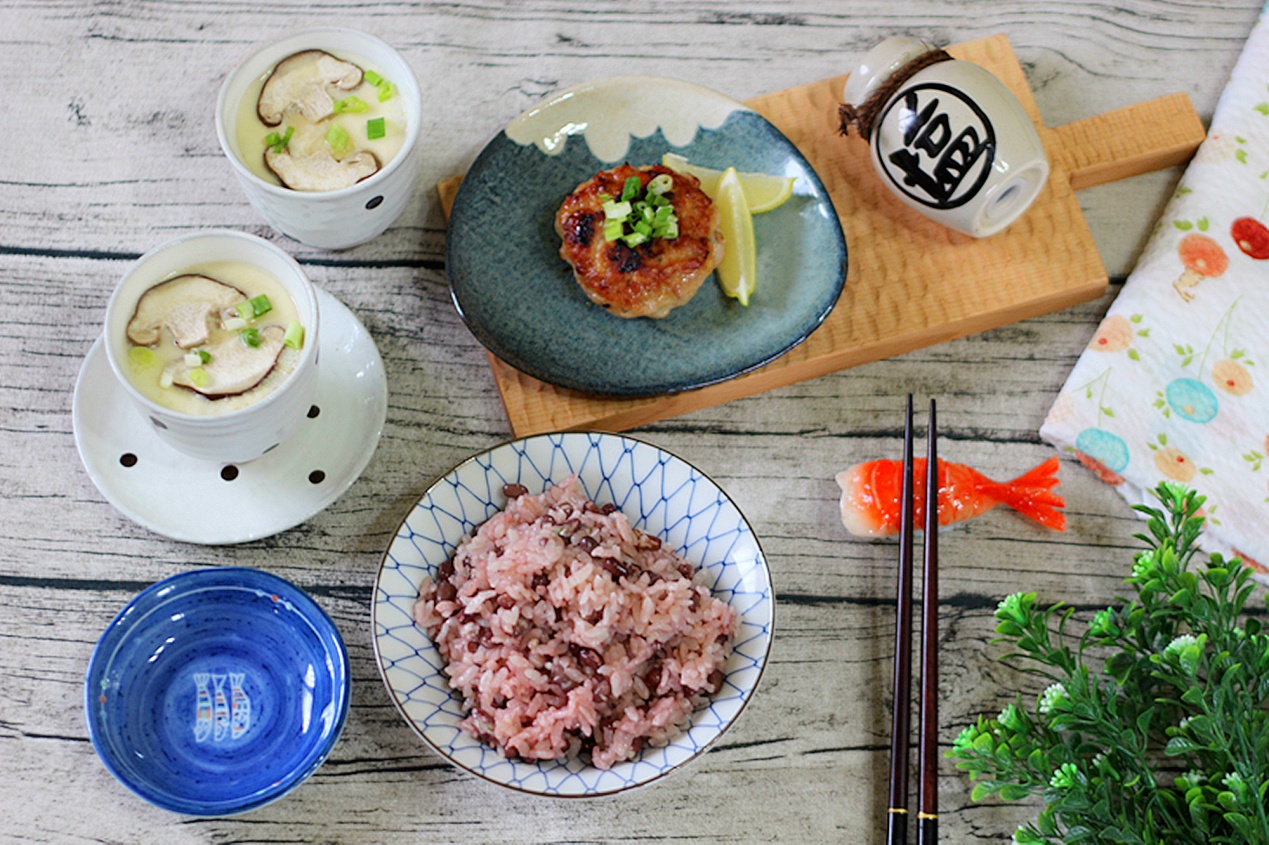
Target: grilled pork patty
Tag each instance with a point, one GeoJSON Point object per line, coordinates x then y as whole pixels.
{"type": "Point", "coordinates": [655, 277]}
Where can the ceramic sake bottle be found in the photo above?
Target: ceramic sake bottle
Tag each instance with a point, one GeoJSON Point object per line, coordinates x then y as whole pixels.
{"type": "Point", "coordinates": [950, 140]}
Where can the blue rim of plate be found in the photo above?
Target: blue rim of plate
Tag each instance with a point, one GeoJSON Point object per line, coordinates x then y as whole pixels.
{"type": "Point", "coordinates": [643, 480]}
{"type": "Point", "coordinates": [285, 600]}
{"type": "Point", "coordinates": [519, 298]}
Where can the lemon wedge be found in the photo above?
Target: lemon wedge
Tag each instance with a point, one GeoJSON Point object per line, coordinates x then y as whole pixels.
{"type": "Point", "coordinates": [738, 272]}
{"type": "Point", "coordinates": [763, 192]}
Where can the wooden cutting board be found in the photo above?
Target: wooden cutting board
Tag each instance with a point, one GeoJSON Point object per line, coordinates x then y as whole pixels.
{"type": "Point", "coordinates": [910, 283]}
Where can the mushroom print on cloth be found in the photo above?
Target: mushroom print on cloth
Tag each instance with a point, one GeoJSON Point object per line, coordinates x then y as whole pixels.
{"type": "Point", "coordinates": [1174, 385]}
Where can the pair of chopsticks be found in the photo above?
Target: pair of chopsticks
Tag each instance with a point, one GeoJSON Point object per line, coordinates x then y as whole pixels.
{"type": "Point", "coordinates": [927, 815]}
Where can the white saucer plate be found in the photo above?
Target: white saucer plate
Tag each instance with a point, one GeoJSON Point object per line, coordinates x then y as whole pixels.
{"type": "Point", "coordinates": [205, 502]}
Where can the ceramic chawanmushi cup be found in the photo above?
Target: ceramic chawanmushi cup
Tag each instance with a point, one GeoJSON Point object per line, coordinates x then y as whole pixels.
{"type": "Point", "coordinates": [343, 217]}
{"type": "Point", "coordinates": [243, 433]}
{"type": "Point", "coordinates": [951, 142]}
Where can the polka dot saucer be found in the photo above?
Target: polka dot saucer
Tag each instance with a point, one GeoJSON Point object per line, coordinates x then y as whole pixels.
{"type": "Point", "coordinates": [204, 502]}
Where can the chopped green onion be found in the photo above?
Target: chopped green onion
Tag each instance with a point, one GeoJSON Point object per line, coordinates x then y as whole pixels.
{"type": "Point", "coordinates": [339, 141]}
{"type": "Point", "coordinates": [251, 337]}
{"type": "Point", "coordinates": [260, 305]}
{"type": "Point", "coordinates": [204, 355]}
{"type": "Point", "coordinates": [631, 189]}
{"type": "Point", "coordinates": [198, 377]}
{"type": "Point", "coordinates": [356, 105]}
{"type": "Point", "coordinates": [373, 78]}
{"type": "Point", "coordinates": [386, 90]}
{"type": "Point", "coordinates": [616, 210]}
{"type": "Point", "coordinates": [279, 141]}
{"type": "Point", "coordinates": [635, 220]}
{"type": "Point", "coordinates": [142, 356]}
{"type": "Point", "coordinates": [660, 183]}
{"type": "Point", "coordinates": [294, 336]}
{"type": "Point", "coordinates": [234, 324]}
{"type": "Point", "coordinates": [192, 360]}
{"type": "Point", "coordinates": [166, 380]}
{"type": "Point", "coordinates": [375, 128]}
{"type": "Point", "coordinates": [249, 309]}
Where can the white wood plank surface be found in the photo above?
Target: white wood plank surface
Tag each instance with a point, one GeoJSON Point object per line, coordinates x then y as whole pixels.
{"type": "Point", "coordinates": [110, 149]}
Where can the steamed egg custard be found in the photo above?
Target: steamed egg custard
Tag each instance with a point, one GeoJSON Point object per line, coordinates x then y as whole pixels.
{"type": "Point", "coordinates": [320, 122]}
{"type": "Point", "coordinates": [217, 337]}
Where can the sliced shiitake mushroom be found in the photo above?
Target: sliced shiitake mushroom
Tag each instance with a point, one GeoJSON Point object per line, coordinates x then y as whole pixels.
{"type": "Point", "coordinates": [234, 367]}
{"type": "Point", "coordinates": [184, 304]}
{"type": "Point", "coordinates": [301, 80]}
{"type": "Point", "coordinates": [320, 171]}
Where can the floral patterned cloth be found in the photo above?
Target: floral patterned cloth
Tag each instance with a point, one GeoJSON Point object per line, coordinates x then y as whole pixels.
{"type": "Point", "coordinates": [1175, 382]}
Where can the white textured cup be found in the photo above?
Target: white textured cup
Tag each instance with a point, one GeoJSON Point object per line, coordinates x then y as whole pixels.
{"type": "Point", "coordinates": [937, 108]}
{"type": "Point", "coordinates": [245, 433]}
{"type": "Point", "coordinates": [327, 219]}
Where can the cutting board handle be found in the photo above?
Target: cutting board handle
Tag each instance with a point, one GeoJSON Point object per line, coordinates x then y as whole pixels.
{"type": "Point", "coordinates": [1130, 141]}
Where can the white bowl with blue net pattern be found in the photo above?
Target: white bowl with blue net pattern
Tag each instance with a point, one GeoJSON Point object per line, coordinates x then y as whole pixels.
{"type": "Point", "coordinates": [661, 495]}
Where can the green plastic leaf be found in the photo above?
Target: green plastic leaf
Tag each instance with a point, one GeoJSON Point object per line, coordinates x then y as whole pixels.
{"type": "Point", "coordinates": [1144, 719]}
{"type": "Point", "coordinates": [1242, 824]}
{"type": "Point", "coordinates": [1014, 792]}
{"type": "Point", "coordinates": [1190, 658]}
{"type": "Point", "coordinates": [1179, 745]}
{"type": "Point", "coordinates": [1199, 816]}
{"type": "Point", "coordinates": [1024, 836]}
{"type": "Point", "coordinates": [1200, 726]}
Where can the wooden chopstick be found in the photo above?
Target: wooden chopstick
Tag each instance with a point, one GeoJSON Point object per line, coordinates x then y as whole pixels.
{"type": "Point", "coordinates": [928, 813]}
{"type": "Point", "coordinates": [901, 714]}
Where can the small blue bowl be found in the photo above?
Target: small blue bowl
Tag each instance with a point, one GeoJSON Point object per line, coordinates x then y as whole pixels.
{"type": "Point", "coordinates": [217, 691]}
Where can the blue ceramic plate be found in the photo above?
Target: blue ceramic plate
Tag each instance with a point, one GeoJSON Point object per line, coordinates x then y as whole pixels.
{"type": "Point", "coordinates": [217, 691]}
{"type": "Point", "coordinates": [520, 300]}
{"type": "Point", "coordinates": [660, 494]}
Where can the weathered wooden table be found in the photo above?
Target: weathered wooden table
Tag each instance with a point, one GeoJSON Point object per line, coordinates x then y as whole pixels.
{"type": "Point", "coordinates": [111, 150]}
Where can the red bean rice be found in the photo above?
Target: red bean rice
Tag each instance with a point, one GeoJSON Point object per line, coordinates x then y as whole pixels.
{"type": "Point", "coordinates": [567, 631]}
